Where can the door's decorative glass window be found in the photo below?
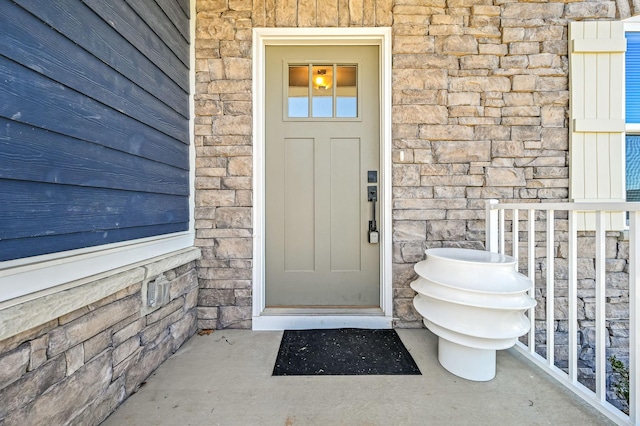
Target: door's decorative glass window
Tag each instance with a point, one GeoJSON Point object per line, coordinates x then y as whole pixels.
{"type": "Point", "coordinates": [322, 91]}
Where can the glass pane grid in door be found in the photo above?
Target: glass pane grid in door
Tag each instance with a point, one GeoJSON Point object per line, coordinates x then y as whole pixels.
{"type": "Point", "coordinates": [322, 91]}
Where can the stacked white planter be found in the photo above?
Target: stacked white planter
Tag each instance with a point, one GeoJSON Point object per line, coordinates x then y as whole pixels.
{"type": "Point", "coordinates": [474, 301]}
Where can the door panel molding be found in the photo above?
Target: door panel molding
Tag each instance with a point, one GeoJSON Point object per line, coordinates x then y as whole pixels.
{"type": "Point", "coordinates": [320, 36]}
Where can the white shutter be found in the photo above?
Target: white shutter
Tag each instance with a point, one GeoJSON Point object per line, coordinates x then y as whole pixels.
{"type": "Point", "coordinates": [597, 138]}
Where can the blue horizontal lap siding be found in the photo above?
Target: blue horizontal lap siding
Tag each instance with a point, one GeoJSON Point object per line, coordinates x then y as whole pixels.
{"type": "Point", "coordinates": [81, 25]}
{"type": "Point", "coordinates": [48, 52]}
{"type": "Point", "coordinates": [94, 142]}
{"type": "Point", "coordinates": [184, 5]}
{"type": "Point", "coordinates": [31, 98]}
{"type": "Point", "coordinates": [157, 20]}
{"type": "Point", "coordinates": [38, 209]}
{"type": "Point", "coordinates": [178, 16]}
{"type": "Point", "coordinates": [36, 246]}
{"type": "Point", "coordinates": [39, 155]}
{"type": "Point", "coordinates": [130, 26]}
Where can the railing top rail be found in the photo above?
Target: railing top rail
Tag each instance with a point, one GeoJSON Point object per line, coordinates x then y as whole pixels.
{"type": "Point", "coordinates": [568, 206]}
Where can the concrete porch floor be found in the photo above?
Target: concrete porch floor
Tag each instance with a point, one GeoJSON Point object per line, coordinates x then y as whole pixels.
{"type": "Point", "coordinates": [225, 378]}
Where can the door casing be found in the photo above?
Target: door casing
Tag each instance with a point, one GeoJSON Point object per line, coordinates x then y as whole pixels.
{"type": "Point", "coordinates": [303, 319]}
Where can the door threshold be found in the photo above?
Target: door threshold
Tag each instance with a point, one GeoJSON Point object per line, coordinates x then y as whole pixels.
{"type": "Point", "coordinates": [328, 310]}
{"type": "Point", "coordinates": [316, 318]}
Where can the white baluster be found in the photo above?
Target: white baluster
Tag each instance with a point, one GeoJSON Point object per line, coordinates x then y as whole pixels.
{"type": "Point", "coordinates": [531, 257]}
{"type": "Point", "coordinates": [550, 288]}
{"type": "Point", "coordinates": [573, 295]}
{"type": "Point", "coordinates": [601, 380]}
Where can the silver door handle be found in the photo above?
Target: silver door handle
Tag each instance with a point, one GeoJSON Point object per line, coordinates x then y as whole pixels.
{"type": "Point", "coordinates": [372, 197]}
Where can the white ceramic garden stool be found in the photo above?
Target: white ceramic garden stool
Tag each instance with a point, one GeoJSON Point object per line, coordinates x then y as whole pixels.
{"type": "Point", "coordinates": [474, 301]}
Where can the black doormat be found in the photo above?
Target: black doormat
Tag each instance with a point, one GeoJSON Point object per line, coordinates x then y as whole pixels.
{"type": "Point", "coordinates": [346, 351]}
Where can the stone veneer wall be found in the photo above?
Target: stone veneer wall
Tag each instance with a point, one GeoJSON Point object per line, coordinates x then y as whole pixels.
{"type": "Point", "coordinates": [77, 368]}
{"type": "Point", "coordinates": [480, 105]}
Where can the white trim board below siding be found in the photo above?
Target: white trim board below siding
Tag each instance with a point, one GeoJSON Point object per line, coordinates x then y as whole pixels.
{"type": "Point", "coordinates": [20, 317]}
{"type": "Point", "coordinates": [30, 278]}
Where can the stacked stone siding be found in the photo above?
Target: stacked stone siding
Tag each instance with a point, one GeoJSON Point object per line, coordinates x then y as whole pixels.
{"type": "Point", "coordinates": [224, 138]}
{"type": "Point", "coordinates": [479, 109]}
{"type": "Point", "coordinates": [76, 369]}
{"type": "Point", "coordinates": [224, 162]}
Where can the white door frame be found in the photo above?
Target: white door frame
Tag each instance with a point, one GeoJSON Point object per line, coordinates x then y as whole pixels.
{"type": "Point", "coordinates": [262, 37]}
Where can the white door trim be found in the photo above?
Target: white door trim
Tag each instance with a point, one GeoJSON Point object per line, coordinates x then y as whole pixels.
{"type": "Point", "coordinates": [318, 36]}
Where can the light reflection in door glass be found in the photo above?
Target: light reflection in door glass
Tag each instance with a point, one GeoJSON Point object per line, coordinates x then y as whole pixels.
{"type": "Point", "coordinates": [322, 89]}
{"type": "Point", "coordinates": [298, 99]}
{"type": "Point", "coordinates": [346, 92]}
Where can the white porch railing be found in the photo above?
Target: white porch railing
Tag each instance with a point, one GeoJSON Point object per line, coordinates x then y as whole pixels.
{"type": "Point", "coordinates": [501, 233]}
